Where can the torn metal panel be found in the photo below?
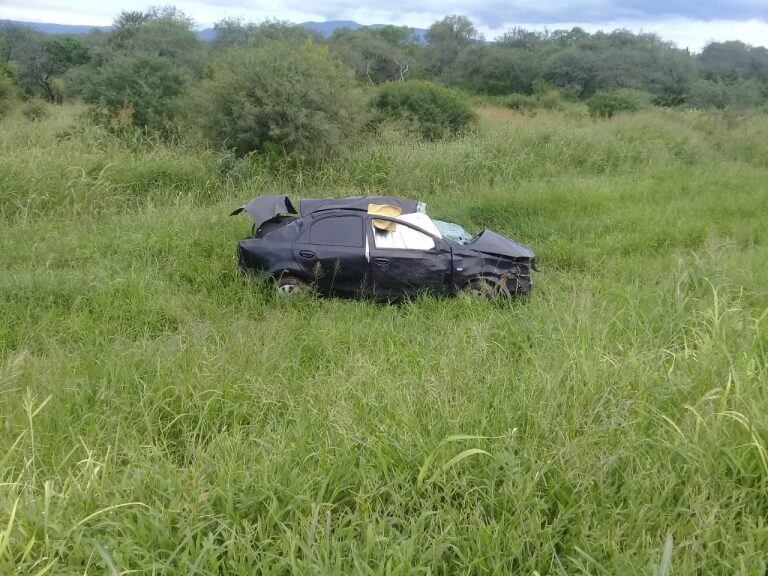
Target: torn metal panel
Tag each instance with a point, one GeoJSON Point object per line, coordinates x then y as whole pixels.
{"type": "Point", "coordinates": [263, 208]}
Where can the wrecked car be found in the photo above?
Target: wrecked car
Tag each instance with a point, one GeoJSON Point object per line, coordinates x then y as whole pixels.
{"type": "Point", "coordinates": [377, 246]}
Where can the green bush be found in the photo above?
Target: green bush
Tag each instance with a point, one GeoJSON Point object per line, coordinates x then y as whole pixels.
{"type": "Point", "coordinates": [521, 102]}
{"type": "Point", "coordinates": [606, 104]}
{"type": "Point", "coordinates": [7, 95]}
{"type": "Point", "coordinates": [544, 97]}
{"type": "Point", "coordinates": [423, 108]}
{"type": "Point", "coordinates": [298, 101]}
{"type": "Point", "coordinates": [720, 94]}
{"type": "Point", "coordinates": [140, 90]}
{"type": "Point", "coordinates": [35, 109]}
{"type": "Point", "coordinates": [550, 100]}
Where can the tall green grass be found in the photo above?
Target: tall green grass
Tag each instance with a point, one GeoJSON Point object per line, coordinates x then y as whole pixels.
{"type": "Point", "coordinates": [162, 414]}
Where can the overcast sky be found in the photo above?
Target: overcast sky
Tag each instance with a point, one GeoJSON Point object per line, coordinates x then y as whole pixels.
{"type": "Point", "coordinates": [688, 23]}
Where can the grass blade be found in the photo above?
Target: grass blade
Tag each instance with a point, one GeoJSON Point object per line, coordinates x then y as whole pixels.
{"type": "Point", "coordinates": [666, 557]}
{"type": "Point", "coordinates": [463, 455]}
{"type": "Point", "coordinates": [107, 509]}
{"type": "Point", "coordinates": [108, 562]}
{"type": "Point", "coordinates": [5, 535]}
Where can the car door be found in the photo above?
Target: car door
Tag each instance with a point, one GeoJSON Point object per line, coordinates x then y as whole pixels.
{"type": "Point", "coordinates": [331, 252]}
{"type": "Point", "coordinates": [420, 264]}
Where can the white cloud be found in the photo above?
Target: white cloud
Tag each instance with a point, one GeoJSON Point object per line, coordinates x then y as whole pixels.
{"type": "Point", "coordinates": [493, 17]}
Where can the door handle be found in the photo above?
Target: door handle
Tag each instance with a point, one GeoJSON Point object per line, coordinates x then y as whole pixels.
{"type": "Point", "coordinates": [306, 254]}
{"type": "Point", "coordinates": [381, 261]}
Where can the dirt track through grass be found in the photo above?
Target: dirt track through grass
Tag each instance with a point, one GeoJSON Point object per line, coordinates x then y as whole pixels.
{"type": "Point", "coordinates": [161, 414]}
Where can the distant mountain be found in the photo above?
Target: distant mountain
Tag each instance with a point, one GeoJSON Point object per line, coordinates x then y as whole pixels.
{"type": "Point", "coordinates": [48, 28]}
{"type": "Point", "coordinates": [206, 34]}
{"type": "Point", "coordinates": [328, 28]}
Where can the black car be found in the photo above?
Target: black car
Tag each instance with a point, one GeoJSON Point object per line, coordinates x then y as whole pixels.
{"type": "Point", "coordinates": [377, 246]}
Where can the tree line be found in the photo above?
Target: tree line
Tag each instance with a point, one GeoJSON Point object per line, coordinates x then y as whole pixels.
{"type": "Point", "coordinates": [275, 83]}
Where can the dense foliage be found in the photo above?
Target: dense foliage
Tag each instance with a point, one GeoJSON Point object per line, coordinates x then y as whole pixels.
{"type": "Point", "coordinates": [298, 99]}
{"type": "Point", "coordinates": [140, 89]}
{"type": "Point", "coordinates": [150, 60]}
{"type": "Point", "coordinates": [606, 104]}
{"type": "Point", "coordinates": [7, 94]}
{"type": "Point", "coordinates": [423, 108]}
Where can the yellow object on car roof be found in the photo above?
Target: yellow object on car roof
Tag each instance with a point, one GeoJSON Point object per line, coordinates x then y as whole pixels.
{"type": "Point", "coordinates": [384, 210]}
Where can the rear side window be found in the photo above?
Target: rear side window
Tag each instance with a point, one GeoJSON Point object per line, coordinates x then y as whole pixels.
{"type": "Point", "coordinates": [337, 231]}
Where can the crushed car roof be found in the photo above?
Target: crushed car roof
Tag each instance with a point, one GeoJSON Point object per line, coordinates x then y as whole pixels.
{"type": "Point", "coordinates": [311, 205]}
{"type": "Point", "coordinates": [266, 207]}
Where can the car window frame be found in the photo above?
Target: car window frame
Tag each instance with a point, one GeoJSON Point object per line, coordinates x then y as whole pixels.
{"type": "Point", "coordinates": [371, 234]}
{"type": "Point", "coordinates": [307, 236]}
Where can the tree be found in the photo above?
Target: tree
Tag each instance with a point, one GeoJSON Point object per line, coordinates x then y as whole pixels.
{"type": "Point", "coordinates": [572, 37]}
{"type": "Point", "coordinates": [7, 89]}
{"type": "Point", "coordinates": [575, 69]}
{"type": "Point", "coordinates": [725, 61]}
{"type": "Point", "coordinates": [759, 64]}
{"type": "Point", "coordinates": [297, 99]}
{"type": "Point", "coordinates": [493, 69]}
{"type": "Point", "coordinates": [671, 77]}
{"type": "Point", "coordinates": [743, 93]}
{"type": "Point", "coordinates": [446, 38]}
{"type": "Point", "coordinates": [522, 38]}
{"type": "Point", "coordinates": [146, 62]}
{"type": "Point", "coordinates": [37, 61]}
{"type": "Point", "coordinates": [376, 55]}
{"type": "Point", "coordinates": [163, 32]}
{"type": "Point", "coordinates": [231, 31]}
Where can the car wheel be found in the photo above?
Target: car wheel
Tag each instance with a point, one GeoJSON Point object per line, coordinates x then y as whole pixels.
{"type": "Point", "coordinates": [485, 289]}
{"type": "Point", "coordinates": [290, 286]}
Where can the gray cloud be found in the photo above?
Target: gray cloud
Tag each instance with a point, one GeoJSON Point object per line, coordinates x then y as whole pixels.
{"type": "Point", "coordinates": [688, 23]}
{"type": "Point", "coordinates": [491, 12]}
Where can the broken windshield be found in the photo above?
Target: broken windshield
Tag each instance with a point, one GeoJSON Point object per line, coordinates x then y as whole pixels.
{"type": "Point", "coordinates": [453, 232]}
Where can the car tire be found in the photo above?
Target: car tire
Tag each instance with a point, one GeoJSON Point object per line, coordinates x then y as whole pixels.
{"type": "Point", "coordinates": [487, 289]}
{"type": "Point", "coordinates": [291, 286]}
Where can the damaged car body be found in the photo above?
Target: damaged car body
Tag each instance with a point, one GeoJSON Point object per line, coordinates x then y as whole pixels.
{"type": "Point", "coordinates": [377, 246]}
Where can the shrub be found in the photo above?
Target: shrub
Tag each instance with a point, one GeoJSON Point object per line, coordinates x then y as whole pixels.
{"type": "Point", "coordinates": [544, 97]}
{"type": "Point", "coordinates": [294, 99]}
{"type": "Point", "coordinates": [147, 86]}
{"type": "Point", "coordinates": [7, 95]}
{"type": "Point", "coordinates": [550, 100]}
{"type": "Point", "coordinates": [521, 102]}
{"type": "Point", "coordinates": [423, 108]}
{"type": "Point", "coordinates": [606, 104]}
{"type": "Point", "coordinates": [734, 94]}
{"type": "Point", "coordinates": [35, 109]}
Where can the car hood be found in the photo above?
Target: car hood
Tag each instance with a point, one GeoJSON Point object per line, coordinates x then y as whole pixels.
{"type": "Point", "coordinates": [489, 242]}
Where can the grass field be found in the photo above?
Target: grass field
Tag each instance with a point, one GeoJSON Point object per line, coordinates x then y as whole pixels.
{"type": "Point", "coordinates": [162, 414]}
